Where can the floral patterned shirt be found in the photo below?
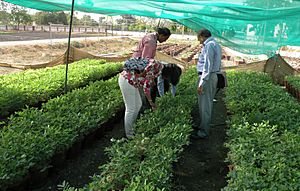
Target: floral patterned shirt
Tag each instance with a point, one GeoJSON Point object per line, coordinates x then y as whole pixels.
{"type": "Point", "coordinates": [152, 70]}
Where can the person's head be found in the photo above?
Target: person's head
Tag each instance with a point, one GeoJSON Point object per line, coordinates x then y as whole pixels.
{"type": "Point", "coordinates": [172, 73]}
{"type": "Point", "coordinates": [163, 34]}
{"type": "Point", "coordinates": [202, 35]}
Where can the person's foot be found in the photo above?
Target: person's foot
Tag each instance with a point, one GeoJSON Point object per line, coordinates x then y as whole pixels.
{"type": "Point", "coordinates": [198, 135]}
{"type": "Point", "coordinates": [131, 136]}
{"type": "Point", "coordinates": [195, 127]}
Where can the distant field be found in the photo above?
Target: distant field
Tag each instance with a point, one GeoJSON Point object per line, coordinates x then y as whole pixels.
{"type": "Point", "coordinates": [37, 35]}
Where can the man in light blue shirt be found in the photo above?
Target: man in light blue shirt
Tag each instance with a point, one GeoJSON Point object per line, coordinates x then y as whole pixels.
{"type": "Point", "coordinates": [208, 65]}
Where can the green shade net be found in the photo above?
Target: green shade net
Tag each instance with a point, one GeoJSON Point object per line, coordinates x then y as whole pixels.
{"type": "Point", "coordinates": [248, 26]}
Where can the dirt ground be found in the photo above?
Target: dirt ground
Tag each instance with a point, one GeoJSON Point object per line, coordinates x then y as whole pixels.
{"type": "Point", "coordinates": [36, 54]}
{"type": "Point", "coordinates": [6, 70]}
{"type": "Point", "coordinates": [201, 165]}
{"type": "Point", "coordinates": [78, 171]}
{"type": "Point", "coordinates": [37, 35]}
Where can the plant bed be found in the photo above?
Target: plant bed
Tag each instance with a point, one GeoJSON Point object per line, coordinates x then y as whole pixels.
{"type": "Point", "coordinates": [34, 87]}
{"type": "Point", "coordinates": [55, 127]}
{"type": "Point", "coordinates": [38, 176]}
{"type": "Point", "coordinates": [263, 134]}
{"type": "Point", "coordinates": [145, 162]}
{"type": "Point", "coordinates": [292, 84]}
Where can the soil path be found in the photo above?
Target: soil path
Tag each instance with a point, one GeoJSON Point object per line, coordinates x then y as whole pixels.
{"type": "Point", "coordinates": [78, 171]}
{"type": "Point", "coordinates": [202, 166]}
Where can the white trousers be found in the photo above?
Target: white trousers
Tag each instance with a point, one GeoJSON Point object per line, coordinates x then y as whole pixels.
{"type": "Point", "coordinates": [133, 104]}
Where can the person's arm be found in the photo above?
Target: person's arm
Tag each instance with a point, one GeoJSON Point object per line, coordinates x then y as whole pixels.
{"type": "Point", "coordinates": [152, 104]}
{"type": "Point", "coordinates": [160, 85]}
{"type": "Point", "coordinates": [153, 70]}
{"type": "Point", "coordinates": [208, 63]}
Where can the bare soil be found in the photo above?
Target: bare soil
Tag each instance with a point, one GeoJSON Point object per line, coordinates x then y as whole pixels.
{"type": "Point", "coordinates": [6, 70]}
{"type": "Point", "coordinates": [36, 54]}
{"type": "Point", "coordinates": [201, 165]}
{"type": "Point", "coordinates": [38, 35]}
{"type": "Point", "coordinates": [43, 53]}
{"type": "Point", "coordinates": [78, 171]}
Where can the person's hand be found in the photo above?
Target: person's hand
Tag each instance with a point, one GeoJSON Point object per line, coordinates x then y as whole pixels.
{"type": "Point", "coordinates": [153, 106]}
{"type": "Point", "coordinates": [200, 90]}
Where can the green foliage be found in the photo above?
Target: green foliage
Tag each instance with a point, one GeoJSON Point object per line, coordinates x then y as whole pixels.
{"type": "Point", "coordinates": [44, 18]}
{"type": "Point", "coordinates": [4, 18]}
{"type": "Point", "coordinates": [19, 16]}
{"type": "Point", "coordinates": [87, 20]}
{"type": "Point", "coordinates": [270, 104]}
{"type": "Point", "coordinates": [294, 81]}
{"type": "Point", "coordinates": [34, 86]}
{"type": "Point", "coordinates": [263, 138]}
{"type": "Point", "coordinates": [144, 163]}
{"type": "Point", "coordinates": [33, 136]}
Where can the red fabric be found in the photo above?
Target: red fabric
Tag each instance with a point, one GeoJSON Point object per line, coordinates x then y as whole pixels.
{"type": "Point", "coordinates": [153, 70]}
{"type": "Point", "coordinates": [146, 47]}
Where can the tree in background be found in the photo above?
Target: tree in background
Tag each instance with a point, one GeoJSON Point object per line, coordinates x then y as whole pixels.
{"type": "Point", "coordinates": [87, 20]}
{"type": "Point", "coordinates": [19, 16]}
{"type": "Point", "coordinates": [76, 21]}
{"type": "Point", "coordinates": [62, 17]}
{"type": "Point", "coordinates": [4, 17]}
{"type": "Point", "coordinates": [44, 18]}
{"type": "Point", "coordinates": [126, 19]}
{"type": "Point", "coordinates": [101, 20]}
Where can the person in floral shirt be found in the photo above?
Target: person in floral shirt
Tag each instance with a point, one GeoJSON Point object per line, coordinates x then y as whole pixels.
{"type": "Point", "coordinates": [131, 82]}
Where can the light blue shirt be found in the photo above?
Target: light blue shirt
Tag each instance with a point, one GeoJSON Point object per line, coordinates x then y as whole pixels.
{"type": "Point", "coordinates": [209, 60]}
{"type": "Point", "coordinates": [161, 89]}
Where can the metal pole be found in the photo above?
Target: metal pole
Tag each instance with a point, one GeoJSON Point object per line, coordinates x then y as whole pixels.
{"type": "Point", "coordinates": [68, 50]}
{"type": "Point", "coordinates": [50, 33]}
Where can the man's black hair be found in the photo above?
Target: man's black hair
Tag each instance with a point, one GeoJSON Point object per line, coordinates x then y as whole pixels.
{"type": "Point", "coordinates": [164, 31]}
{"type": "Point", "coordinates": [172, 72]}
{"type": "Point", "coordinates": [204, 33]}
